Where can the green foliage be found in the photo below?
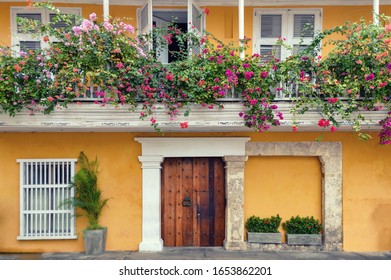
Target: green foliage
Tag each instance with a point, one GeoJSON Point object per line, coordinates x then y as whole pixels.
{"type": "Point", "coordinates": [256, 224]}
{"type": "Point", "coordinates": [88, 196]}
{"type": "Point", "coordinates": [302, 225]}
{"type": "Point", "coordinates": [353, 78]}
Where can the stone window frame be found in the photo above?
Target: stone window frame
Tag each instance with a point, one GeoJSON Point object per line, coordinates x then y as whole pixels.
{"type": "Point", "coordinates": [235, 152]}
{"type": "Point", "coordinates": [330, 157]}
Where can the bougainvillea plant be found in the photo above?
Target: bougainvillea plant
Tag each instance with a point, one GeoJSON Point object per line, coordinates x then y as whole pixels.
{"type": "Point", "coordinates": [103, 59]}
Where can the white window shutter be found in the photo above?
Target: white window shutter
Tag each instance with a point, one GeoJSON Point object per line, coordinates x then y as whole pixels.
{"type": "Point", "coordinates": [26, 46]}
{"type": "Point", "coordinates": [271, 26]}
{"type": "Point", "coordinates": [303, 25]}
{"type": "Point", "coordinates": [27, 16]}
{"type": "Point", "coordinates": [270, 30]}
{"type": "Point", "coordinates": [196, 23]}
{"type": "Point", "coordinates": [145, 22]}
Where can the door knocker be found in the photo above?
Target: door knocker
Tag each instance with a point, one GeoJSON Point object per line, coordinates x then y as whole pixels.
{"type": "Point", "coordinates": [186, 202]}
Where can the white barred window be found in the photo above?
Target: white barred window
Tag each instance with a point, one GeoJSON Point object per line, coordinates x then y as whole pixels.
{"type": "Point", "coordinates": [44, 186]}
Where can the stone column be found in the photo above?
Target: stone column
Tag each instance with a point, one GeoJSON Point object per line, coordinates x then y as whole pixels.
{"type": "Point", "coordinates": [332, 201]}
{"type": "Point", "coordinates": [234, 211]}
{"type": "Point", "coordinates": [151, 215]}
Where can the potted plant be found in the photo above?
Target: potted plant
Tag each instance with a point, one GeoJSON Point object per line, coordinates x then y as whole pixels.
{"type": "Point", "coordinates": [263, 230]}
{"type": "Point", "coordinates": [88, 198]}
{"type": "Point", "coordinates": [303, 231]}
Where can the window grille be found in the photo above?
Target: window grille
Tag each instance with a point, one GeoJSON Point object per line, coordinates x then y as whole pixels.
{"type": "Point", "coordinates": [44, 186]}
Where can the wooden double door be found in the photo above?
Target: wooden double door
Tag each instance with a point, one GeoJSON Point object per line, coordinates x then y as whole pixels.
{"type": "Point", "coordinates": [193, 202]}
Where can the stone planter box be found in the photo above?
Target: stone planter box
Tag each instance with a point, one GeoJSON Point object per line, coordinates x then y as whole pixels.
{"type": "Point", "coordinates": [304, 239]}
{"type": "Point", "coordinates": [266, 238]}
{"type": "Point", "coordinates": [95, 241]}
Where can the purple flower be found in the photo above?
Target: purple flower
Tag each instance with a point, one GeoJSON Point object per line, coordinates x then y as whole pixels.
{"type": "Point", "coordinates": [370, 77]}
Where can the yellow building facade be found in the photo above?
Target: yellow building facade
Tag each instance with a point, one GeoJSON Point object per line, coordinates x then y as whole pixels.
{"type": "Point", "coordinates": [285, 184]}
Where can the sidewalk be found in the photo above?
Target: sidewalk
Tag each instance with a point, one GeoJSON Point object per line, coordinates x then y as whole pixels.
{"type": "Point", "coordinates": [216, 253]}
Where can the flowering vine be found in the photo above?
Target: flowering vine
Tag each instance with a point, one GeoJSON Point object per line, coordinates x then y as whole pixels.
{"type": "Point", "coordinates": [104, 60]}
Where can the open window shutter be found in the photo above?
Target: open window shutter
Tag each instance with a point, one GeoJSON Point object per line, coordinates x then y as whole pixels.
{"type": "Point", "coordinates": [145, 22]}
{"type": "Point", "coordinates": [271, 30]}
{"type": "Point", "coordinates": [196, 22]}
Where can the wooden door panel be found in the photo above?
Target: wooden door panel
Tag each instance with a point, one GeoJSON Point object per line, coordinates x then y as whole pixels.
{"type": "Point", "coordinates": [171, 179]}
{"type": "Point", "coordinates": [201, 220]}
{"type": "Point", "coordinates": [219, 202]}
{"type": "Point", "coordinates": [187, 191]}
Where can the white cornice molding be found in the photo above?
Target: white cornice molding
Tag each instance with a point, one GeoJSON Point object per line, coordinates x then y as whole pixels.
{"type": "Point", "coordinates": [257, 3]}
{"type": "Point", "coordinates": [90, 117]}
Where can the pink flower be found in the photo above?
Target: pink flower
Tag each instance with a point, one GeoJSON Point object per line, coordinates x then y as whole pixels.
{"type": "Point", "coordinates": [359, 62]}
{"type": "Point", "coordinates": [129, 28]}
{"type": "Point", "coordinates": [264, 74]}
{"type": "Point", "coordinates": [333, 128]}
{"type": "Point", "coordinates": [168, 38]}
{"type": "Point", "coordinates": [294, 128]}
{"type": "Point", "coordinates": [184, 124]}
{"type": "Point", "coordinates": [86, 25]}
{"type": "Point", "coordinates": [108, 26]}
{"type": "Point", "coordinates": [323, 123]}
{"type": "Point", "coordinates": [253, 101]}
{"type": "Point", "coordinates": [93, 17]}
{"type": "Point", "coordinates": [153, 120]}
{"type": "Point", "coordinates": [76, 30]}
{"type": "Point", "coordinates": [50, 99]}
{"type": "Point", "coordinates": [248, 75]}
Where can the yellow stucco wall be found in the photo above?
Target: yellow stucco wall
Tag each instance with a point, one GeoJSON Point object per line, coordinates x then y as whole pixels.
{"type": "Point", "coordinates": [120, 180]}
{"type": "Point", "coordinates": [287, 186]}
{"type": "Point", "coordinates": [284, 185]}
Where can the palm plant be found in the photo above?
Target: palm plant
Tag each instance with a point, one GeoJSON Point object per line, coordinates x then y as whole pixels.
{"type": "Point", "coordinates": [88, 196]}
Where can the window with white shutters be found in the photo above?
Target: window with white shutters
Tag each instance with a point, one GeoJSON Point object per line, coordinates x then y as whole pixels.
{"type": "Point", "coordinates": [44, 186]}
{"type": "Point", "coordinates": [25, 40]}
{"type": "Point", "coordinates": [296, 26]}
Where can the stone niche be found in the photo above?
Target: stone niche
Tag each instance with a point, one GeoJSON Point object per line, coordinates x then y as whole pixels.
{"type": "Point", "coordinates": [330, 157]}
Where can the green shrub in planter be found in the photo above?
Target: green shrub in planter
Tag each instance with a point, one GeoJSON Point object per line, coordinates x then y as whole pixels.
{"type": "Point", "coordinates": [302, 225]}
{"type": "Point", "coordinates": [256, 224]}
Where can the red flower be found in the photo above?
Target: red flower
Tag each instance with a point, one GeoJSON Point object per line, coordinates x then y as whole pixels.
{"type": "Point", "coordinates": [206, 11]}
{"type": "Point", "coordinates": [17, 67]}
{"type": "Point", "coordinates": [294, 128]}
{"type": "Point", "coordinates": [153, 120]}
{"type": "Point", "coordinates": [184, 124]}
{"type": "Point", "coordinates": [323, 123]}
{"type": "Point", "coordinates": [169, 76]}
{"type": "Point", "coordinates": [333, 128]}
{"type": "Point", "coordinates": [332, 100]}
